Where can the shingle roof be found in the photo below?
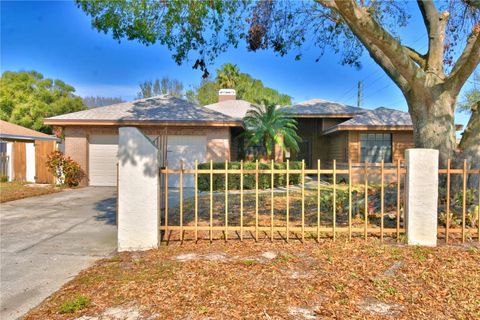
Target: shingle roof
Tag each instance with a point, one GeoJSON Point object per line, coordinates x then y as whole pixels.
{"type": "Point", "coordinates": [380, 117]}
{"type": "Point", "coordinates": [12, 131]}
{"type": "Point", "coordinates": [319, 107]}
{"type": "Point", "coordinates": [232, 108]}
{"type": "Point", "coordinates": [377, 118]}
{"type": "Point", "coordinates": [158, 109]}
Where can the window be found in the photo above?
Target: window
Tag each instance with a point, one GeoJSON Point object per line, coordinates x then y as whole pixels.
{"type": "Point", "coordinates": [375, 147]}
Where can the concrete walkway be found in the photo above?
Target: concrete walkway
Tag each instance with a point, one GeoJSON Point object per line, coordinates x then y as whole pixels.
{"type": "Point", "coordinates": [45, 241]}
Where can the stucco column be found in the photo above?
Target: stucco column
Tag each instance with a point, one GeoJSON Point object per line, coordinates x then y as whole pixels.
{"type": "Point", "coordinates": [421, 187]}
{"type": "Point", "coordinates": [138, 191]}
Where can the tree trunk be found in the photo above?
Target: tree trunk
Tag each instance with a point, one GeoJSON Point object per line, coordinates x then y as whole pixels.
{"type": "Point", "coordinates": [433, 121]}
{"type": "Point", "coordinates": [469, 146]}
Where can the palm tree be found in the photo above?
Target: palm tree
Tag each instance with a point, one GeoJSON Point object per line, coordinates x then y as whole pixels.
{"type": "Point", "coordinates": [227, 76]}
{"type": "Point", "coordinates": [268, 125]}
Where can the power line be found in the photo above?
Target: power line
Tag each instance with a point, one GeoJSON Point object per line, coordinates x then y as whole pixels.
{"type": "Point", "coordinates": [349, 95]}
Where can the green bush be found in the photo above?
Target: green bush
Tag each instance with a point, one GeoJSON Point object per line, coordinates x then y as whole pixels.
{"type": "Point", "coordinates": [264, 180]}
{"type": "Point", "coordinates": [66, 170]}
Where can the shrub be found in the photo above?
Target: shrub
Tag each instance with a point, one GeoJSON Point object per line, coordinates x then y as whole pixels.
{"type": "Point", "coordinates": [264, 180]}
{"type": "Point", "coordinates": [67, 171]}
{"type": "Point", "coordinates": [78, 303]}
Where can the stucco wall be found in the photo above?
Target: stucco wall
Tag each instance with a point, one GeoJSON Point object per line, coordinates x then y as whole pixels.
{"type": "Point", "coordinates": [138, 211]}
{"type": "Point", "coordinates": [76, 147]}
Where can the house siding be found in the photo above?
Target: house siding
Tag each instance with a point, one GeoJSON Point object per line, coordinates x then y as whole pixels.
{"type": "Point", "coordinates": [338, 147]}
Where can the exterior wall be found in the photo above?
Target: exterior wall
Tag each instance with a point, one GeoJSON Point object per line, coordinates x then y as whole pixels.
{"type": "Point", "coordinates": [10, 160]}
{"type": "Point", "coordinates": [77, 137]}
{"type": "Point", "coordinates": [76, 147]}
{"type": "Point", "coordinates": [338, 149]}
{"type": "Point", "coordinates": [401, 141]}
{"type": "Point", "coordinates": [30, 159]}
{"type": "Point", "coordinates": [310, 130]}
{"type": "Point", "coordinates": [218, 144]}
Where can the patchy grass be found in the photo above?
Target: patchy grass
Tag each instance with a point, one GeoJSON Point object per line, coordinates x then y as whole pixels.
{"type": "Point", "coordinates": [75, 304]}
{"type": "Point", "coordinates": [342, 280]}
{"type": "Point", "coordinates": [10, 191]}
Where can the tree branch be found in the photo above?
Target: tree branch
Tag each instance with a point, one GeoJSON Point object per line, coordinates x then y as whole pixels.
{"type": "Point", "coordinates": [429, 12]}
{"type": "Point", "coordinates": [467, 62]}
{"type": "Point", "coordinates": [435, 24]}
{"type": "Point", "coordinates": [383, 48]}
{"type": "Point", "coordinates": [417, 57]}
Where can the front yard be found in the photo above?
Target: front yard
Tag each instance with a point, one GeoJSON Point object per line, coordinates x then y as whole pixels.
{"type": "Point", "coordinates": [10, 191]}
{"type": "Point", "coordinates": [235, 280]}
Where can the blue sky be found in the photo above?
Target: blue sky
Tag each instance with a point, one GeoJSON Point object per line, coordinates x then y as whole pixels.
{"type": "Point", "coordinates": [57, 40]}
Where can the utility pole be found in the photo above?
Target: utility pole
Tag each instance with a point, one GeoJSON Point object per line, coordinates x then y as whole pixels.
{"type": "Point", "coordinates": [359, 95]}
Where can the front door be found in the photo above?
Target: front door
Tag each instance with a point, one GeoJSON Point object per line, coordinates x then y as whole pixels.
{"type": "Point", "coordinates": [305, 152]}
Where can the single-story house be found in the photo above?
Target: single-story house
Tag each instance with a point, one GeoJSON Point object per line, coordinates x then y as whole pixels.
{"type": "Point", "coordinates": [24, 152]}
{"type": "Point", "coordinates": [329, 131]}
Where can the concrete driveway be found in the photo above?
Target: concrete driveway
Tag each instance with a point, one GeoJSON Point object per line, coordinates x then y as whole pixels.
{"type": "Point", "coordinates": [45, 241]}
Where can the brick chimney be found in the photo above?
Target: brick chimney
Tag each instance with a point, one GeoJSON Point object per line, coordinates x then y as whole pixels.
{"type": "Point", "coordinates": [226, 94]}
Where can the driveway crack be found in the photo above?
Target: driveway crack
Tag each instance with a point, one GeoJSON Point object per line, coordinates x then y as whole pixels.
{"type": "Point", "coordinates": [54, 235]}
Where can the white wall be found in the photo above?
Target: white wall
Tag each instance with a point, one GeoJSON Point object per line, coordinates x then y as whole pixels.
{"type": "Point", "coordinates": [10, 160]}
{"type": "Point", "coordinates": [30, 161]}
{"type": "Point", "coordinates": [138, 191]}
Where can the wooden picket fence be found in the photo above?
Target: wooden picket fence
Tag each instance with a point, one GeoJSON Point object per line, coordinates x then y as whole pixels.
{"type": "Point", "coordinates": [174, 227]}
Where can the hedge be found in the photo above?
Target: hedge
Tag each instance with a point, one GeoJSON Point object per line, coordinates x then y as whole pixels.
{"type": "Point", "coordinates": [248, 179]}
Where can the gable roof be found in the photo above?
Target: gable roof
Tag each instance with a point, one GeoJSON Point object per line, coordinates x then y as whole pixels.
{"type": "Point", "coordinates": [318, 107]}
{"type": "Point", "coordinates": [380, 118]}
{"type": "Point", "coordinates": [163, 109]}
{"type": "Point", "coordinates": [233, 108]}
{"type": "Point", "coordinates": [15, 132]}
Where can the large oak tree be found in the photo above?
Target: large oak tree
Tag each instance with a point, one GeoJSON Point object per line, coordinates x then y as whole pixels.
{"type": "Point", "coordinates": [430, 81]}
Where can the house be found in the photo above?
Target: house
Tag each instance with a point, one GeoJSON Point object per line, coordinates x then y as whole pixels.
{"type": "Point", "coordinates": [186, 132]}
{"type": "Point", "coordinates": [24, 152]}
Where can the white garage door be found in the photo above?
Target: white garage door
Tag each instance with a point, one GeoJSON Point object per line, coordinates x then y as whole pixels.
{"type": "Point", "coordinates": [102, 160]}
{"type": "Point", "coordinates": [188, 149]}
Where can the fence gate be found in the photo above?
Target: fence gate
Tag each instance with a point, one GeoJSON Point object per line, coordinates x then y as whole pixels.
{"type": "Point", "coordinates": [42, 150]}
{"type": "Point", "coordinates": [19, 151]}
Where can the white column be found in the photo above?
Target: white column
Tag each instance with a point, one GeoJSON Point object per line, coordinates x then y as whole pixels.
{"type": "Point", "coordinates": [138, 191]}
{"type": "Point", "coordinates": [30, 162]}
{"type": "Point", "coordinates": [421, 187]}
{"type": "Point", "coordinates": [10, 160]}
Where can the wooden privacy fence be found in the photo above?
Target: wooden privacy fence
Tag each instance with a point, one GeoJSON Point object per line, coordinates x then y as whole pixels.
{"type": "Point", "coordinates": [324, 204]}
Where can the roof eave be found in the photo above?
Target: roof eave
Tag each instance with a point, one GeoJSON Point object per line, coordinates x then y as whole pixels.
{"type": "Point", "coordinates": [76, 122]}
{"type": "Point", "coordinates": [322, 115]}
{"type": "Point", "coordinates": [369, 127]}
{"type": "Point", "coordinates": [27, 138]}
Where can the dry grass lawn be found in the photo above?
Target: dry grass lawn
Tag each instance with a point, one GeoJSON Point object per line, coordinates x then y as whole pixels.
{"type": "Point", "coordinates": [10, 191]}
{"type": "Point", "coordinates": [235, 280]}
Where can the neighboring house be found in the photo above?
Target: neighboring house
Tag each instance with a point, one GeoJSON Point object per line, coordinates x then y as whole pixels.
{"type": "Point", "coordinates": [329, 131]}
{"type": "Point", "coordinates": [24, 152]}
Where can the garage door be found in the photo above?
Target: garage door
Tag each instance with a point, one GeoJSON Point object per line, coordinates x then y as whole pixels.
{"type": "Point", "coordinates": [102, 160]}
{"type": "Point", "coordinates": [188, 149]}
